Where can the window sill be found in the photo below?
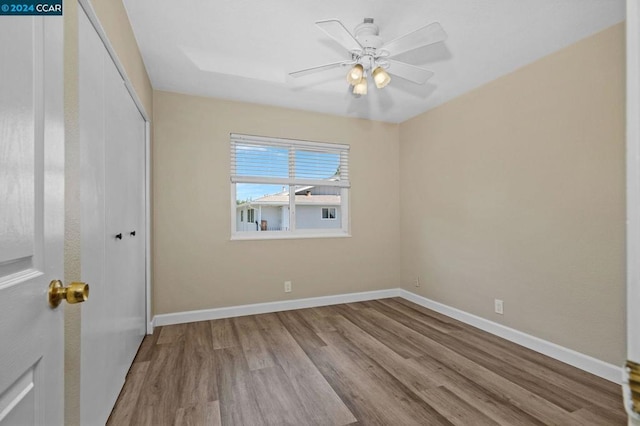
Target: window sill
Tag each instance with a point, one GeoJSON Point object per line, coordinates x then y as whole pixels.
{"type": "Point", "coordinates": [280, 235]}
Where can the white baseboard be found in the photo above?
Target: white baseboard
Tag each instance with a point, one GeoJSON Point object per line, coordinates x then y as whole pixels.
{"type": "Point", "coordinates": [584, 362]}
{"type": "Point", "coordinates": [265, 308]}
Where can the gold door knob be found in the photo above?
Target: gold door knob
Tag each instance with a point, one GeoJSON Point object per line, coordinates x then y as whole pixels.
{"type": "Point", "coordinates": [74, 293]}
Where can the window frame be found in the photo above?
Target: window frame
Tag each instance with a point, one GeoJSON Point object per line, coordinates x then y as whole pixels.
{"type": "Point", "coordinates": [292, 182]}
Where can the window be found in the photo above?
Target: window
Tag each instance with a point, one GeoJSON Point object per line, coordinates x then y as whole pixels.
{"type": "Point", "coordinates": [288, 188]}
{"type": "Point", "coordinates": [328, 213]}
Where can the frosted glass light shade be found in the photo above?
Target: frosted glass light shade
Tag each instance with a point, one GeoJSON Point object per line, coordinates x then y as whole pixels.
{"type": "Point", "coordinates": [360, 88]}
{"type": "Point", "coordinates": [380, 77]}
{"type": "Point", "coordinates": [355, 74]}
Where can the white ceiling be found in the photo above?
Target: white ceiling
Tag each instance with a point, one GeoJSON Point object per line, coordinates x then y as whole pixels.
{"type": "Point", "coordinates": [244, 49]}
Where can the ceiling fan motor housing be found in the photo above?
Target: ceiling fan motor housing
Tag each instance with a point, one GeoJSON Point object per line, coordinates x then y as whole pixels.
{"type": "Point", "coordinates": [367, 33]}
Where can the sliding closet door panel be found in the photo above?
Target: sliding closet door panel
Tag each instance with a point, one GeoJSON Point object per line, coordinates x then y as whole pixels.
{"type": "Point", "coordinates": [125, 215]}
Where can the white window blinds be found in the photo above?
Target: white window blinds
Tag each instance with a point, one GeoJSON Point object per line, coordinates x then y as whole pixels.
{"type": "Point", "coordinates": [256, 159]}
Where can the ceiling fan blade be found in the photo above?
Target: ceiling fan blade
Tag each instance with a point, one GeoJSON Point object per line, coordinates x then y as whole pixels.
{"type": "Point", "coordinates": [423, 36]}
{"type": "Point", "coordinates": [334, 29]}
{"type": "Point", "coordinates": [409, 72]}
{"type": "Point", "coordinates": [307, 71]}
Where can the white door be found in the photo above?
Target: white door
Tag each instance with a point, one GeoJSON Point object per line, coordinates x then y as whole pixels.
{"type": "Point", "coordinates": [633, 203]}
{"type": "Point", "coordinates": [112, 141]}
{"type": "Point", "coordinates": [31, 219]}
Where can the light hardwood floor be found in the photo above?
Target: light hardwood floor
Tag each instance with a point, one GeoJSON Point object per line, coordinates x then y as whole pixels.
{"type": "Point", "coordinates": [385, 362]}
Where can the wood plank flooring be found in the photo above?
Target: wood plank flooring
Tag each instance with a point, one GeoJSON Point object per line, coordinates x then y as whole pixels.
{"type": "Point", "coordinates": [384, 362]}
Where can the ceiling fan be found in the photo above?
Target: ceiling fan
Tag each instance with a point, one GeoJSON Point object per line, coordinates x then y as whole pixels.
{"type": "Point", "coordinates": [371, 55]}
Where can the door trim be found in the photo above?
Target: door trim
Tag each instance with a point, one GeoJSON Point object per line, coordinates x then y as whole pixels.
{"type": "Point", "coordinates": [93, 18]}
{"type": "Point", "coordinates": [633, 192]}
{"type": "Point", "coordinates": [633, 176]}
{"type": "Point", "coordinates": [147, 218]}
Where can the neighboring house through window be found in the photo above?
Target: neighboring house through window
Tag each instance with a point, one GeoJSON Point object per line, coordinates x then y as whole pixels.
{"type": "Point", "coordinates": [328, 213]}
{"type": "Point", "coordinates": [289, 188]}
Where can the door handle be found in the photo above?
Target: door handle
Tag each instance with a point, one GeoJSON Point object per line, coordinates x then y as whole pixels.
{"type": "Point", "coordinates": [119, 236]}
{"type": "Point", "coordinates": [132, 233]}
{"type": "Point", "coordinates": [76, 292]}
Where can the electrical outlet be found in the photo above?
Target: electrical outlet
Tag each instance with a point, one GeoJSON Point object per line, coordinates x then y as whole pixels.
{"type": "Point", "coordinates": [499, 306]}
{"type": "Point", "coordinates": [417, 283]}
{"type": "Point", "coordinates": [287, 286]}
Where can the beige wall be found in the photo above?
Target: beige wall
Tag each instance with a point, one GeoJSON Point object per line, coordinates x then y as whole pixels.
{"type": "Point", "coordinates": [116, 24]}
{"type": "Point", "coordinates": [196, 264]}
{"type": "Point", "coordinates": [516, 191]}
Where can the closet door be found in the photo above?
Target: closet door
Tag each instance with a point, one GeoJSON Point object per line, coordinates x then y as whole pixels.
{"type": "Point", "coordinates": [124, 201]}
{"type": "Point", "coordinates": [112, 140]}
{"type": "Point", "coordinates": [124, 196]}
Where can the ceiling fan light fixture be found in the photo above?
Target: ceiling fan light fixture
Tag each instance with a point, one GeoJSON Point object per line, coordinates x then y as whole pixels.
{"type": "Point", "coordinates": [380, 77]}
{"type": "Point", "coordinates": [355, 75]}
{"type": "Point", "coordinates": [361, 87]}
